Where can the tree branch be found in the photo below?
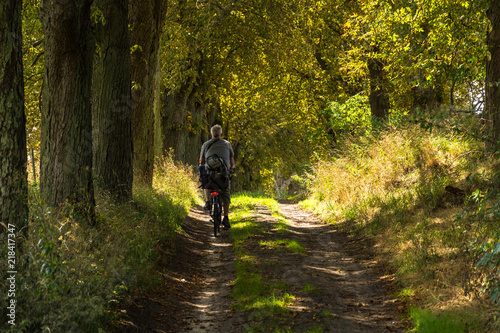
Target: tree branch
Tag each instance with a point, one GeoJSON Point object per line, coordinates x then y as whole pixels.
{"type": "Point", "coordinates": [37, 57]}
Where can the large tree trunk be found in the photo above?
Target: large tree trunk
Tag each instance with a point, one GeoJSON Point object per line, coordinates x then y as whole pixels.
{"type": "Point", "coordinates": [379, 99]}
{"type": "Point", "coordinates": [66, 147]}
{"type": "Point", "coordinates": [492, 107]}
{"type": "Point", "coordinates": [146, 18]}
{"type": "Point", "coordinates": [197, 127]}
{"type": "Point", "coordinates": [13, 155]}
{"type": "Point", "coordinates": [173, 120]}
{"type": "Point", "coordinates": [183, 125]}
{"type": "Point", "coordinates": [112, 102]}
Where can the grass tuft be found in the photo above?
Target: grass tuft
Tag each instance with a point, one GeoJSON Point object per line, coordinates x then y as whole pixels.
{"type": "Point", "coordinates": [427, 321]}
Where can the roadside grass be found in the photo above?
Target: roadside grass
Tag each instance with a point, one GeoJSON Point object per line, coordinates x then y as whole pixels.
{"type": "Point", "coordinates": [427, 321]}
{"type": "Point", "coordinates": [248, 200]}
{"type": "Point", "coordinates": [407, 189]}
{"type": "Point", "coordinates": [76, 277]}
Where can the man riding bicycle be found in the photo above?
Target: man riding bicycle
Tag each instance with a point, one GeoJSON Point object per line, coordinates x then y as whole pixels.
{"type": "Point", "coordinates": [223, 149]}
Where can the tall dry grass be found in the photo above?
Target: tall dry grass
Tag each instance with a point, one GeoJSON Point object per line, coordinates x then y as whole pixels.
{"type": "Point", "coordinates": [407, 189]}
{"type": "Point", "coordinates": [406, 163]}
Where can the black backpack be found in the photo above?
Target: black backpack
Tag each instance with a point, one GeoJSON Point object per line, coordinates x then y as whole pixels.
{"type": "Point", "coordinates": [218, 173]}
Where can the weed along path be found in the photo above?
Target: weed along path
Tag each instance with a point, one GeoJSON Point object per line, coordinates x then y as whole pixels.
{"type": "Point", "coordinates": [279, 269]}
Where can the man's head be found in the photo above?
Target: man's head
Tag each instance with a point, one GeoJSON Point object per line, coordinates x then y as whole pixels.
{"type": "Point", "coordinates": [216, 131]}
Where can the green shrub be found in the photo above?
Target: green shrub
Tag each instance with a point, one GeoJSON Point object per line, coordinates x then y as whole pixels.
{"type": "Point", "coordinates": [480, 224]}
{"type": "Point", "coordinates": [351, 117]}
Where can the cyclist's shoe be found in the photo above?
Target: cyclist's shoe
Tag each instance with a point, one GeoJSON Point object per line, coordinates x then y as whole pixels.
{"type": "Point", "coordinates": [207, 206]}
{"type": "Point", "coordinates": [225, 223]}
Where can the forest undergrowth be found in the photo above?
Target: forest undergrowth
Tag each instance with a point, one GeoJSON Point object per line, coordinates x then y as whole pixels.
{"type": "Point", "coordinates": [72, 276]}
{"type": "Point", "coordinates": [427, 195]}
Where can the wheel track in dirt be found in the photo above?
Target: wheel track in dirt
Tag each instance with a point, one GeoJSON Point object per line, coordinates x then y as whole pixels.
{"type": "Point", "coordinates": [353, 284]}
{"type": "Point", "coordinates": [195, 295]}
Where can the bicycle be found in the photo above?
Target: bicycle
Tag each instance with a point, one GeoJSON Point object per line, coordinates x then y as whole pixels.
{"type": "Point", "coordinates": [215, 201]}
{"type": "Point", "coordinates": [216, 211]}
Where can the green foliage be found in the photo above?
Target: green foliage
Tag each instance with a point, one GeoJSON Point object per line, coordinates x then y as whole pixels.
{"type": "Point", "coordinates": [84, 274]}
{"type": "Point", "coordinates": [33, 63]}
{"type": "Point", "coordinates": [267, 70]}
{"type": "Point", "coordinates": [491, 260]}
{"type": "Point", "coordinates": [349, 118]}
{"type": "Point", "coordinates": [423, 44]}
{"type": "Point", "coordinates": [428, 322]}
{"type": "Point", "coordinates": [253, 64]}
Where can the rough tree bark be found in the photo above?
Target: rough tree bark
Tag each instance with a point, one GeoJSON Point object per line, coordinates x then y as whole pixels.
{"type": "Point", "coordinates": [184, 120]}
{"type": "Point", "coordinates": [66, 139]}
{"type": "Point", "coordinates": [112, 102]}
{"type": "Point", "coordinates": [146, 19]}
{"type": "Point", "coordinates": [13, 154]}
{"type": "Point", "coordinates": [492, 89]}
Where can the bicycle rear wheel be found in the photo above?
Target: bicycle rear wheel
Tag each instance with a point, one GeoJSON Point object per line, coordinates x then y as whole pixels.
{"type": "Point", "coordinates": [217, 218]}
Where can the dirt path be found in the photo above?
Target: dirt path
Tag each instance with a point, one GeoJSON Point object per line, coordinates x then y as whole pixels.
{"type": "Point", "coordinates": [352, 285]}
{"type": "Point", "coordinates": [338, 285]}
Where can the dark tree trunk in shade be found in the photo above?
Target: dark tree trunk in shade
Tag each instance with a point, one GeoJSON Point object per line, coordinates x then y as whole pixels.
{"type": "Point", "coordinates": [13, 154]}
{"type": "Point", "coordinates": [195, 134]}
{"type": "Point", "coordinates": [174, 116]}
{"type": "Point", "coordinates": [146, 19]}
{"type": "Point", "coordinates": [112, 102]}
{"type": "Point", "coordinates": [183, 126]}
{"type": "Point", "coordinates": [492, 89]}
{"type": "Point", "coordinates": [379, 98]}
{"type": "Point", "coordinates": [427, 97]}
{"type": "Point", "coordinates": [66, 140]}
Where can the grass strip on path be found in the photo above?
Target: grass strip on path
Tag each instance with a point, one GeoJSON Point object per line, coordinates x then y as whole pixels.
{"type": "Point", "coordinates": [257, 226]}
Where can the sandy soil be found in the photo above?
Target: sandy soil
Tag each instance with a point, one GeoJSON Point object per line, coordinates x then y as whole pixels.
{"type": "Point", "coordinates": [348, 288]}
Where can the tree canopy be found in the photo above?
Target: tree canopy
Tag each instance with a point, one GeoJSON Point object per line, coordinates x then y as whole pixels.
{"type": "Point", "coordinates": [278, 74]}
{"type": "Point", "coordinates": [270, 69]}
